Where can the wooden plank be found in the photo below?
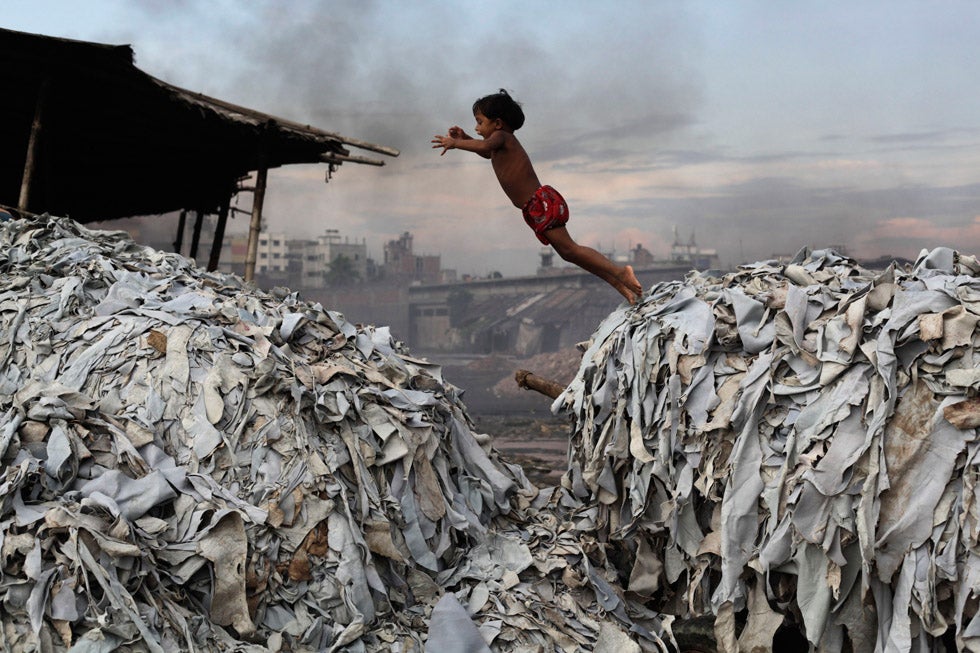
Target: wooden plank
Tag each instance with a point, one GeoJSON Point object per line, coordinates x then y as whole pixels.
{"type": "Point", "coordinates": [219, 235]}
{"type": "Point", "coordinates": [255, 226]}
{"type": "Point", "coordinates": [33, 143]}
{"type": "Point", "coordinates": [196, 236]}
{"type": "Point", "coordinates": [530, 381]}
{"type": "Point", "coordinates": [181, 223]}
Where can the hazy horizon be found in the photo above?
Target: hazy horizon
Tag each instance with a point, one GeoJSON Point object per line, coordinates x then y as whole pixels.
{"type": "Point", "coordinates": [761, 127]}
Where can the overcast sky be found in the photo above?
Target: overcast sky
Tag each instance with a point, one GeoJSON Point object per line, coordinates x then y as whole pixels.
{"type": "Point", "coordinates": [760, 127]}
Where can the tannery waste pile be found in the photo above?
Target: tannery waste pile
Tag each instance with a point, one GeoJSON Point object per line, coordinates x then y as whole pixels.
{"type": "Point", "coordinates": [793, 440]}
{"type": "Point", "coordinates": [189, 464]}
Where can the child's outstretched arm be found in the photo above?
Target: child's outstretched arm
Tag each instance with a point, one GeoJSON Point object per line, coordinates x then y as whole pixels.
{"type": "Point", "coordinates": [455, 133]}
{"type": "Point", "coordinates": [461, 141]}
{"type": "Point", "coordinates": [452, 140]}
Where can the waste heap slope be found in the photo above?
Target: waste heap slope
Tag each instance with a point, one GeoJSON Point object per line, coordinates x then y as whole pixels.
{"type": "Point", "coordinates": [792, 442]}
{"type": "Point", "coordinates": [188, 463]}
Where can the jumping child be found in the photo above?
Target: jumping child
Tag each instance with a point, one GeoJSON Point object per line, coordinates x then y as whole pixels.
{"type": "Point", "coordinates": [545, 211]}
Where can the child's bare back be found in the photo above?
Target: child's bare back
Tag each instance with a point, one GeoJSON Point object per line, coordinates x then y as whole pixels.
{"type": "Point", "coordinates": [514, 171]}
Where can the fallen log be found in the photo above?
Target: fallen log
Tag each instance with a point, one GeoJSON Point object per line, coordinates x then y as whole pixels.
{"type": "Point", "coordinates": [530, 381]}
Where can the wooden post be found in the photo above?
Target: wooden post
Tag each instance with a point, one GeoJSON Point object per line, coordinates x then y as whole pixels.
{"type": "Point", "coordinates": [196, 236]}
{"type": "Point", "coordinates": [530, 381]}
{"type": "Point", "coordinates": [30, 160]}
{"type": "Point", "coordinates": [255, 226]}
{"type": "Point", "coordinates": [219, 235]}
{"type": "Point", "coordinates": [181, 223]}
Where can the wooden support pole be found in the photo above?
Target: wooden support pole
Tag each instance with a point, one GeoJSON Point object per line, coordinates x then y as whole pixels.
{"type": "Point", "coordinates": [529, 381]}
{"type": "Point", "coordinates": [219, 235]}
{"type": "Point", "coordinates": [181, 225]}
{"type": "Point", "coordinates": [196, 236]}
{"type": "Point", "coordinates": [255, 226]}
{"type": "Point", "coordinates": [33, 143]}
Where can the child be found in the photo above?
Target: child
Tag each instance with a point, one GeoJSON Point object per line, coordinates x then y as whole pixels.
{"type": "Point", "coordinates": [545, 211]}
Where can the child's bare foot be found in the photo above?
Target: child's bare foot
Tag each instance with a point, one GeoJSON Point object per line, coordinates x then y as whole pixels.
{"type": "Point", "coordinates": [630, 296]}
{"type": "Point", "coordinates": [630, 285]}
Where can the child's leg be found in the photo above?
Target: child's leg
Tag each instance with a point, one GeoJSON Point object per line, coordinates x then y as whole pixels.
{"type": "Point", "coordinates": [620, 277]}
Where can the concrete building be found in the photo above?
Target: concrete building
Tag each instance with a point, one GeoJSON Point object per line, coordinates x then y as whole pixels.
{"type": "Point", "coordinates": [317, 255]}
{"type": "Point", "coordinates": [272, 253]}
{"type": "Point", "coordinates": [690, 254]}
{"type": "Point", "coordinates": [235, 250]}
{"type": "Point", "coordinates": [641, 257]}
{"type": "Point", "coordinates": [401, 262]}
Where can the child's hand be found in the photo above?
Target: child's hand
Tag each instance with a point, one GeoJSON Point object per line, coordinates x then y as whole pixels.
{"type": "Point", "coordinates": [457, 132]}
{"type": "Point", "coordinates": [447, 142]}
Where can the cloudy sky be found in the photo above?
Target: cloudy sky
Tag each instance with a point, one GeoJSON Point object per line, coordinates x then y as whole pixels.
{"type": "Point", "coordinates": [759, 126]}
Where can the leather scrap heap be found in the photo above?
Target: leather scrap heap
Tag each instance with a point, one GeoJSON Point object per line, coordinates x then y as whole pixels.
{"type": "Point", "coordinates": [187, 463]}
{"type": "Point", "coordinates": [792, 442]}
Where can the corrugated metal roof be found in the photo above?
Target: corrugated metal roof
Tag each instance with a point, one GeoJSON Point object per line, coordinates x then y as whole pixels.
{"type": "Point", "coordinates": [558, 308]}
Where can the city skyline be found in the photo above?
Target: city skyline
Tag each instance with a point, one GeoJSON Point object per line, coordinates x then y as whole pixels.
{"type": "Point", "coordinates": [234, 244]}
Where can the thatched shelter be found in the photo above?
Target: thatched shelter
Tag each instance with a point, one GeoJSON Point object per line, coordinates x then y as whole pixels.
{"type": "Point", "coordinates": [87, 134]}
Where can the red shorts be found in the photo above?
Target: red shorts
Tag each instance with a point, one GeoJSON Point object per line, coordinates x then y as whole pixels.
{"type": "Point", "coordinates": [545, 210]}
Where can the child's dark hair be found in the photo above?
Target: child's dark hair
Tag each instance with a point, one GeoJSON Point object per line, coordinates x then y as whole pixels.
{"type": "Point", "coordinates": [501, 105]}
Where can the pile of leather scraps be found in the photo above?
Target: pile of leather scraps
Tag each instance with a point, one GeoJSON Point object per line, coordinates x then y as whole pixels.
{"type": "Point", "coordinates": [793, 443]}
{"type": "Point", "coordinates": [187, 463]}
